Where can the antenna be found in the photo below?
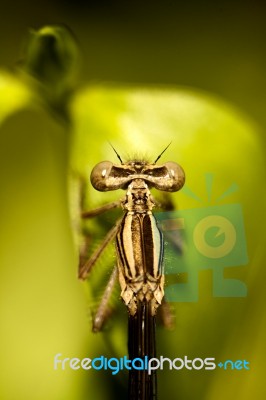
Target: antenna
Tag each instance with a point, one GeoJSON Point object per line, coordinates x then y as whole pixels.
{"type": "Point", "coordinates": [160, 155]}
{"type": "Point", "coordinates": [118, 156]}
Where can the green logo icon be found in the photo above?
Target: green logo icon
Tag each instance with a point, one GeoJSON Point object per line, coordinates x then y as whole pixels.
{"type": "Point", "coordinates": [205, 238]}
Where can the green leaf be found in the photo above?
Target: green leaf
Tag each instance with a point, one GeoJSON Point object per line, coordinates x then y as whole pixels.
{"type": "Point", "coordinates": [210, 138]}
{"type": "Point", "coordinates": [14, 94]}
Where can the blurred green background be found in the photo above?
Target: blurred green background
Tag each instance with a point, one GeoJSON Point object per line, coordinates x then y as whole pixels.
{"type": "Point", "coordinates": [151, 72]}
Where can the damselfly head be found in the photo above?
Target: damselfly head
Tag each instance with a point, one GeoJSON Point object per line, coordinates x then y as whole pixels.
{"type": "Point", "coordinates": [168, 177]}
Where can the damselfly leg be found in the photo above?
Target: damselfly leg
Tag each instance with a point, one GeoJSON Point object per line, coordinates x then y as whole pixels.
{"type": "Point", "coordinates": [86, 264]}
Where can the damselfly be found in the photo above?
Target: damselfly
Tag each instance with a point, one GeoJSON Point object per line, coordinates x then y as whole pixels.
{"type": "Point", "coordinates": [139, 249]}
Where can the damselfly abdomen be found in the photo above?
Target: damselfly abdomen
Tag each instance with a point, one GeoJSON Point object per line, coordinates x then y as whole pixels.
{"type": "Point", "coordinates": [139, 248]}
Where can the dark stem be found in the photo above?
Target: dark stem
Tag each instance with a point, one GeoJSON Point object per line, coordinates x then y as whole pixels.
{"type": "Point", "coordinates": [141, 343]}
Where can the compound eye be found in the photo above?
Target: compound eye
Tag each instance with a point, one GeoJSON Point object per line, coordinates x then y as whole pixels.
{"type": "Point", "coordinates": [100, 174]}
{"type": "Point", "coordinates": [176, 174]}
{"type": "Point", "coordinates": [173, 178]}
